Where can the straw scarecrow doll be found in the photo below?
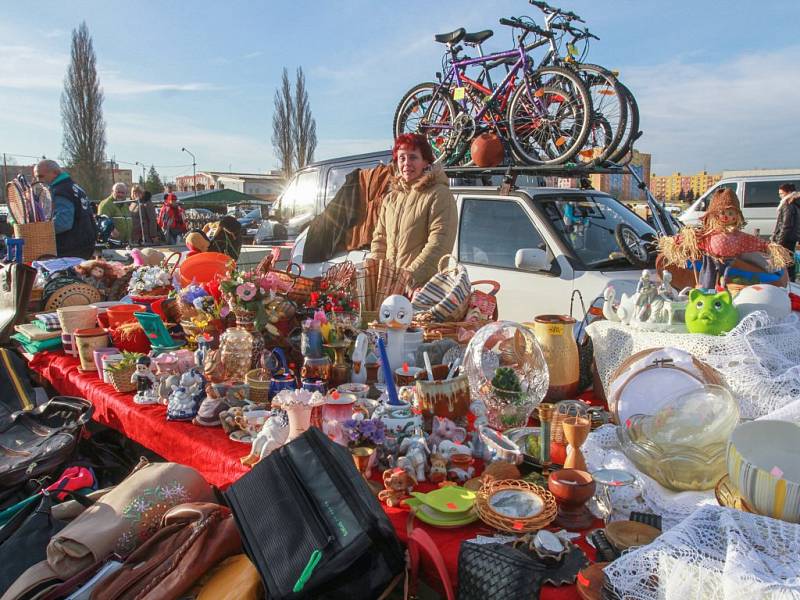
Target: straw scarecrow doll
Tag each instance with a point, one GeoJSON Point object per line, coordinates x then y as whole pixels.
{"type": "Point", "coordinates": [719, 241]}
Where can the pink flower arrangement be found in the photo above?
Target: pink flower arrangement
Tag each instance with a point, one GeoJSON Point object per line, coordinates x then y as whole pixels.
{"type": "Point", "coordinates": [246, 291]}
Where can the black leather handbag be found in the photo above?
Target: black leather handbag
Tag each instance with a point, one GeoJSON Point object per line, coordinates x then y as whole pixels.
{"type": "Point", "coordinates": [36, 442]}
{"type": "Point", "coordinates": [497, 572]}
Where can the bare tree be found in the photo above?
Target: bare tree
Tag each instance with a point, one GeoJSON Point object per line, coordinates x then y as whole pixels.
{"type": "Point", "coordinates": [82, 115]}
{"type": "Point", "coordinates": [282, 126]}
{"type": "Point", "coordinates": [305, 127]}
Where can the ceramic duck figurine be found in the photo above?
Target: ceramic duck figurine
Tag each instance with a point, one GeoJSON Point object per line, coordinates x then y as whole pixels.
{"type": "Point", "coordinates": [396, 313]}
{"type": "Point", "coordinates": [359, 372]}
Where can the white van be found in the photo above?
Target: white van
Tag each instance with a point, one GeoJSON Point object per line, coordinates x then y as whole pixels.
{"type": "Point", "coordinates": [757, 191]}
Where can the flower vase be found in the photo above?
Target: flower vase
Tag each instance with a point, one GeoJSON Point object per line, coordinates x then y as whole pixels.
{"type": "Point", "coordinates": [299, 419]}
{"type": "Point", "coordinates": [246, 320]}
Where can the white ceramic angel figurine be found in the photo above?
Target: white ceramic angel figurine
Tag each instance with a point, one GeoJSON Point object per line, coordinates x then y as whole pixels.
{"type": "Point", "coordinates": [396, 313]}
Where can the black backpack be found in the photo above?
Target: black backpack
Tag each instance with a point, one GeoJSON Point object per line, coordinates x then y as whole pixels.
{"type": "Point", "coordinates": [311, 525]}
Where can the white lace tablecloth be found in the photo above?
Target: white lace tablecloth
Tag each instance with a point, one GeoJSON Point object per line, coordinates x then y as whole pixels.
{"type": "Point", "coordinates": [715, 554]}
{"type": "Point", "coordinates": [759, 359]}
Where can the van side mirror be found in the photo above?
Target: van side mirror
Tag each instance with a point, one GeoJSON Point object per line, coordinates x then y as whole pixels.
{"type": "Point", "coordinates": [532, 259]}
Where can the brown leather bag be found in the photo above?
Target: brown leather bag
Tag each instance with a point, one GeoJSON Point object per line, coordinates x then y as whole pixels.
{"type": "Point", "coordinates": [193, 538]}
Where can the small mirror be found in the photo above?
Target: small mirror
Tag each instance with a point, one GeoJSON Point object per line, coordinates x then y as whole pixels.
{"type": "Point", "coordinates": [532, 259]}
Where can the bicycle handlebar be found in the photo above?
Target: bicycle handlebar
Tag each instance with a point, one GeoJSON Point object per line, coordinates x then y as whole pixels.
{"type": "Point", "coordinates": [513, 22]}
{"type": "Point", "coordinates": [575, 31]}
{"type": "Point", "coordinates": [546, 8]}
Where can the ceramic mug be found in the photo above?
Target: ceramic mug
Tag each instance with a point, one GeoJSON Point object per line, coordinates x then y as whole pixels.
{"type": "Point", "coordinates": [406, 376]}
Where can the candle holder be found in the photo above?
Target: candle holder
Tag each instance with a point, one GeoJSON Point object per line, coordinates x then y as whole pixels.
{"type": "Point", "coordinates": [545, 419]}
{"type": "Point", "coordinates": [576, 430]}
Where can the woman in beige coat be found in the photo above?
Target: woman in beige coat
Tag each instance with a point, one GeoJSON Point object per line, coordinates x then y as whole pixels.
{"type": "Point", "coordinates": [418, 219]}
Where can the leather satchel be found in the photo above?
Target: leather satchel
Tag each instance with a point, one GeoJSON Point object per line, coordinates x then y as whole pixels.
{"type": "Point", "coordinates": [193, 538]}
{"type": "Point", "coordinates": [16, 285]}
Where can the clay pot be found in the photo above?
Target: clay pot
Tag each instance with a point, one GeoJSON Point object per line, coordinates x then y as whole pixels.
{"type": "Point", "coordinates": [86, 342]}
{"type": "Point", "coordinates": [555, 336]}
{"type": "Point", "coordinates": [572, 489]}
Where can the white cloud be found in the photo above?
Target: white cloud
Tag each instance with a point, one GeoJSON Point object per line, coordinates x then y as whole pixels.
{"type": "Point", "coordinates": [255, 54]}
{"type": "Point", "coordinates": [741, 113]}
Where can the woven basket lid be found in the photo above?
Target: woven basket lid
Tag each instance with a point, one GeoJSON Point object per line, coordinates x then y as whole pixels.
{"type": "Point", "coordinates": [74, 294]}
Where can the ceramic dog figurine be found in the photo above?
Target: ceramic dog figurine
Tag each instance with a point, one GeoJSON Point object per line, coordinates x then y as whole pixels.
{"type": "Point", "coordinates": [398, 484]}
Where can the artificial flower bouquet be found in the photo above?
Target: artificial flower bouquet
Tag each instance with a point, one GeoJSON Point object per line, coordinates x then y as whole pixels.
{"type": "Point", "coordinates": [332, 300]}
{"type": "Point", "coordinates": [150, 281]}
{"type": "Point", "coordinates": [246, 292]}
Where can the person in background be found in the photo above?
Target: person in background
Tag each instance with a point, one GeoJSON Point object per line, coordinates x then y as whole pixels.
{"type": "Point", "coordinates": [787, 226]}
{"type": "Point", "coordinates": [170, 217]}
{"type": "Point", "coordinates": [114, 207]}
{"type": "Point", "coordinates": [143, 227]}
{"type": "Point", "coordinates": [418, 219]}
{"type": "Point", "coordinates": [73, 220]}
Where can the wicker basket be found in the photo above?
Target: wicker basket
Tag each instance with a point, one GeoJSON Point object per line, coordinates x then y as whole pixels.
{"type": "Point", "coordinates": [40, 239]}
{"type": "Point", "coordinates": [258, 380]}
{"type": "Point", "coordinates": [74, 294]}
{"type": "Point", "coordinates": [515, 524]}
{"type": "Point", "coordinates": [455, 330]}
{"type": "Point", "coordinates": [121, 379]}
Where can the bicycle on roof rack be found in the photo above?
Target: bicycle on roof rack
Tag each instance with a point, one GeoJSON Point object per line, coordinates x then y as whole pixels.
{"type": "Point", "coordinates": [614, 115]}
{"type": "Point", "coordinates": [543, 114]}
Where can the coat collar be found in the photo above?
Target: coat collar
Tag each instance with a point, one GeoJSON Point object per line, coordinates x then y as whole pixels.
{"type": "Point", "coordinates": [435, 175]}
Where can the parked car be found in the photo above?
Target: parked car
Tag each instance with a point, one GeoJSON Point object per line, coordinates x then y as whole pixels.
{"type": "Point", "coordinates": [522, 241]}
{"type": "Point", "coordinates": [758, 194]}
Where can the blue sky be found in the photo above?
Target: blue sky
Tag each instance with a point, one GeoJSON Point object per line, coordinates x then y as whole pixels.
{"type": "Point", "coordinates": [717, 82]}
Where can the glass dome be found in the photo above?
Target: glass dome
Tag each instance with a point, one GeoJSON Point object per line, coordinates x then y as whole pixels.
{"type": "Point", "coordinates": [683, 445]}
{"type": "Point", "coordinates": [507, 371]}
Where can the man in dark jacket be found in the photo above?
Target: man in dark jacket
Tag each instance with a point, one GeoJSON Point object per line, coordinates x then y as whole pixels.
{"type": "Point", "coordinates": [787, 226]}
{"type": "Point", "coordinates": [72, 213]}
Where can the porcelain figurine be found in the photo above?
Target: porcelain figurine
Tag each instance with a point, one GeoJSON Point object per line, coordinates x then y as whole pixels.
{"type": "Point", "coordinates": [273, 435]}
{"type": "Point", "coordinates": [460, 468]}
{"type": "Point", "coordinates": [772, 299]}
{"type": "Point", "coordinates": [448, 449]}
{"type": "Point", "coordinates": [165, 387]}
{"type": "Point", "coordinates": [145, 381]}
{"type": "Point", "coordinates": [398, 484]}
{"type": "Point", "coordinates": [478, 408]}
{"type": "Point", "coordinates": [438, 470]}
{"type": "Point", "coordinates": [655, 308]}
{"type": "Point", "coordinates": [445, 429]}
{"type": "Point", "coordinates": [396, 313]}
{"type": "Point", "coordinates": [360, 350]}
{"type": "Point", "coordinates": [333, 429]}
{"type": "Point", "coordinates": [415, 452]}
{"type": "Point", "coordinates": [181, 406]}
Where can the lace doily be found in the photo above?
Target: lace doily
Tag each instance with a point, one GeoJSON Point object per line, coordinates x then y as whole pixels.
{"type": "Point", "coordinates": [715, 554]}
{"type": "Point", "coordinates": [760, 359]}
{"type": "Point", "coordinates": [602, 451]}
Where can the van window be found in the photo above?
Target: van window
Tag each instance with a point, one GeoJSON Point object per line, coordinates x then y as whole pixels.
{"type": "Point", "coordinates": [492, 231]}
{"type": "Point", "coordinates": [337, 175]}
{"type": "Point", "coordinates": [703, 206]}
{"type": "Point", "coordinates": [300, 197]}
{"type": "Point", "coordinates": [763, 193]}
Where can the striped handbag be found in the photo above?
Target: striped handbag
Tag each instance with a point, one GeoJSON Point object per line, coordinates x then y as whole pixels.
{"type": "Point", "coordinates": [446, 295]}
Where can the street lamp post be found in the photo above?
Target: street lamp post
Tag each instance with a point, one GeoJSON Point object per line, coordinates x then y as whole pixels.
{"type": "Point", "coordinates": [194, 170]}
{"type": "Point", "coordinates": [139, 204]}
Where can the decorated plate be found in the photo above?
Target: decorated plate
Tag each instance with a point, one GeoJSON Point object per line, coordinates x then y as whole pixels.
{"type": "Point", "coordinates": [431, 516]}
{"type": "Point", "coordinates": [517, 504]}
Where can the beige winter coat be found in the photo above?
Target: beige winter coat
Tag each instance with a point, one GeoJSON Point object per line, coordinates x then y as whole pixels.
{"type": "Point", "coordinates": [417, 225]}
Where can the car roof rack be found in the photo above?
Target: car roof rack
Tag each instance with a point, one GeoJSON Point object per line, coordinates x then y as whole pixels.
{"type": "Point", "coordinates": [664, 223]}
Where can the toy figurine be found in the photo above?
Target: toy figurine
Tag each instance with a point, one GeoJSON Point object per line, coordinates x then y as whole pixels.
{"type": "Point", "coordinates": [398, 486]}
{"type": "Point", "coordinates": [445, 429]}
{"type": "Point", "coordinates": [438, 472]}
{"type": "Point", "coordinates": [200, 354]}
{"type": "Point", "coordinates": [165, 387]}
{"type": "Point", "coordinates": [145, 381]}
{"type": "Point", "coordinates": [416, 456]}
{"type": "Point", "coordinates": [710, 313]}
{"type": "Point", "coordinates": [448, 449]}
{"type": "Point", "coordinates": [460, 469]}
{"type": "Point", "coordinates": [181, 406]}
{"type": "Point", "coordinates": [272, 436]}
{"type": "Point", "coordinates": [396, 313]}
{"type": "Point", "coordinates": [719, 241]}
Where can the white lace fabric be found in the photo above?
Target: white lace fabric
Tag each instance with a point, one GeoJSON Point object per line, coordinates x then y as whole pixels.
{"type": "Point", "coordinates": [759, 359]}
{"type": "Point", "coordinates": [715, 554]}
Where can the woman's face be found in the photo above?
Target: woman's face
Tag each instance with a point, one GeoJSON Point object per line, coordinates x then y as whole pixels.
{"type": "Point", "coordinates": [411, 164]}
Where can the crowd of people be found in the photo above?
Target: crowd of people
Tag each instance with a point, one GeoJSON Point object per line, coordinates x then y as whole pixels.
{"type": "Point", "coordinates": [133, 220]}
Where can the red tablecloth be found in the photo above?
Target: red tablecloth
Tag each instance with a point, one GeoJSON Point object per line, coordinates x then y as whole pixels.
{"type": "Point", "coordinates": [209, 450]}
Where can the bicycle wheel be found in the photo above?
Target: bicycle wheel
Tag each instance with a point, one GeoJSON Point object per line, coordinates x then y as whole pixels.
{"type": "Point", "coordinates": [609, 112]}
{"type": "Point", "coordinates": [432, 113]}
{"type": "Point", "coordinates": [549, 117]}
{"type": "Point", "coordinates": [631, 133]}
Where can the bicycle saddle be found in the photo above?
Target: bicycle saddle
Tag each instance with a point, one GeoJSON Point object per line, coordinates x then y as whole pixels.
{"type": "Point", "coordinates": [450, 38]}
{"type": "Point", "coordinates": [478, 37]}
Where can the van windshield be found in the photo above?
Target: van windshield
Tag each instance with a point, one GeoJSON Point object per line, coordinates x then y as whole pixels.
{"type": "Point", "coordinates": [588, 224]}
{"type": "Point", "coordinates": [297, 204]}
